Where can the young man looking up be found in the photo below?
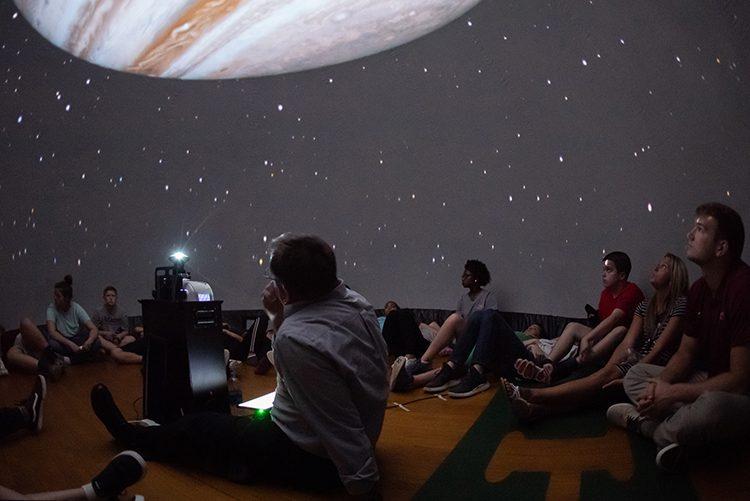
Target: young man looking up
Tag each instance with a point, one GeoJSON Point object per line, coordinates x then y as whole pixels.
{"type": "Point", "coordinates": [700, 398]}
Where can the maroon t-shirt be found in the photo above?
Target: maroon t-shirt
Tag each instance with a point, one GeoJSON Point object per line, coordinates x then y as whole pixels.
{"type": "Point", "coordinates": [721, 321]}
{"type": "Point", "coordinates": [627, 300]}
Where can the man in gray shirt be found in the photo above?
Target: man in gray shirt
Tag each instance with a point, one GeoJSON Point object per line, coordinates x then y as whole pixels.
{"type": "Point", "coordinates": [331, 392]}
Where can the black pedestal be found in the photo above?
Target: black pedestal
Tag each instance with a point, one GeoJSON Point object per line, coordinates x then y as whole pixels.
{"type": "Point", "coordinates": [184, 362]}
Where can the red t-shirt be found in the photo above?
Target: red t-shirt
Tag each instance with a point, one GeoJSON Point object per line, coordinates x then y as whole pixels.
{"type": "Point", "coordinates": [627, 300]}
{"type": "Point", "coordinates": [721, 321]}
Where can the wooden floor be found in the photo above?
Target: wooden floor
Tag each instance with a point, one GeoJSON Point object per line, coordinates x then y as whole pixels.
{"type": "Point", "coordinates": [74, 445]}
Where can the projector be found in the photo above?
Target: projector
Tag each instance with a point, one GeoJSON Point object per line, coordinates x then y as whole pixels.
{"type": "Point", "coordinates": [173, 283]}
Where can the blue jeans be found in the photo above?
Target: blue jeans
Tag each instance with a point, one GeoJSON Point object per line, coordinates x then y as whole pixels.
{"type": "Point", "coordinates": [495, 344]}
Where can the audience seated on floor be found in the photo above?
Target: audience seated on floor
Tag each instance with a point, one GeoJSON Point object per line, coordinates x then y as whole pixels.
{"type": "Point", "coordinates": [700, 401]}
{"type": "Point", "coordinates": [653, 337]}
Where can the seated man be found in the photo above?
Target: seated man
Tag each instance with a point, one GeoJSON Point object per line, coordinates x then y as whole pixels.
{"type": "Point", "coordinates": [331, 390]}
{"type": "Point", "coordinates": [617, 305]}
{"type": "Point", "coordinates": [700, 398]}
{"type": "Point", "coordinates": [112, 323]}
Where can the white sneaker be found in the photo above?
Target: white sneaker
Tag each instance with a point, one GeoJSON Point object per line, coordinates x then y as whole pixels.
{"type": "Point", "coordinates": [625, 416]}
{"type": "Point", "coordinates": [3, 370]}
{"type": "Point", "coordinates": [671, 458]}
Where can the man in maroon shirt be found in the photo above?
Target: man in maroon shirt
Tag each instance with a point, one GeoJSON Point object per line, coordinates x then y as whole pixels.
{"type": "Point", "coordinates": [701, 397]}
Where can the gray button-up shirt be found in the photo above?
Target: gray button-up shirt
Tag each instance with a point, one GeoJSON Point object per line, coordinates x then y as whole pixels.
{"type": "Point", "coordinates": [332, 382]}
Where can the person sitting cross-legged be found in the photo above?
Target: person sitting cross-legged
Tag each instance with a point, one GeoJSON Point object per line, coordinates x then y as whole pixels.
{"type": "Point", "coordinates": [700, 401]}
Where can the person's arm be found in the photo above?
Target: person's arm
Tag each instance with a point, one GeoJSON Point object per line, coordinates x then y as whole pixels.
{"type": "Point", "coordinates": [273, 306]}
{"type": "Point", "coordinates": [93, 334]}
{"type": "Point", "coordinates": [54, 334]}
{"type": "Point", "coordinates": [330, 414]}
{"type": "Point", "coordinates": [664, 395]}
{"type": "Point", "coordinates": [621, 352]}
{"type": "Point", "coordinates": [233, 335]}
{"type": "Point", "coordinates": [669, 335]}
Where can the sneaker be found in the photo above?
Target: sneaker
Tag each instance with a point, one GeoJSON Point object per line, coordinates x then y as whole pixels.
{"type": "Point", "coordinates": [106, 410]}
{"type": "Point", "coordinates": [144, 423]}
{"type": "Point", "coordinates": [672, 458]}
{"type": "Point", "coordinates": [3, 370]}
{"type": "Point", "coordinates": [123, 470]}
{"type": "Point", "coordinates": [472, 383]}
{"type": "Point", "coordinates": [50, 367]}
{"type": "Point", "coordinates": [34, 404]}
{"type": "Point", "coordinates": [415, 366]}
{"type": "Point", "coordinates": [625, 416]}
{"type": "Point", "coordinates": [448, 377]}
{"type": "Point", "coordinates": [400, 379]}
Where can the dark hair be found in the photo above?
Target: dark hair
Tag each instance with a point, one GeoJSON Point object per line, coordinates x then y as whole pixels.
{"type": "Point", "coordinates": [304, 264]}
{"type": "Point", "coordinates": [479, 271]}
{"type": "Point", "coordinates": [729, 226]}
{"type": "Point", "coordinates": [65, 287]}
{"type": "Point", "coordinates": [391, 301]}
{"type": "Point", "coordinates": [109, 288]}
{"type": "Point", "coordinates": [542, 330]}
{"type": "Point", "coordinates": [621, 260]}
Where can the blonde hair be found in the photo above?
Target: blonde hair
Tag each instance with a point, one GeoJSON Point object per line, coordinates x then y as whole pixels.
{"type": "Point", "coordinates": [678, 286]}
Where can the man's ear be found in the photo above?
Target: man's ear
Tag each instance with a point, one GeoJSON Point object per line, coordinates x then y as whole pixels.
{"type": "Point", "coordinates": [722, 248]}
{"type": "Point", "coordinates": [622, 276]}
{"type": "Point", "coordinates": [283, 293]}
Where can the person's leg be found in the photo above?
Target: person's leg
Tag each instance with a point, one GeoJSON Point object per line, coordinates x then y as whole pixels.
{"type": "Point", "coordinates": [402, 335]}
{"type": "Point", "coordinates": [20, 360]}
{"type": "Point", "coordinates": [453, 370]}
{"type": "Point", "coordinates": [449, 330]}
{"type": "Point", "coordinates": [637, 379]}
{"type": "Point", "coordinates": [715, 418]}
{"type": "Point", "coordinates": [573, 333]}
{"type": "Point", "coordinates": [28, 414]}
{"type": "Point", "coordinates": [498, 346]}
{"type": "Point", "coordinates": [604, 348]}
{"type": "Point", "coordinates": [242, 449]}
{"type": "Point", "coordinates": [121, 472]}
{"type": "Point", "coordinates": [118, 354]}
{"type": "Point", "coordinates": [573, 394]}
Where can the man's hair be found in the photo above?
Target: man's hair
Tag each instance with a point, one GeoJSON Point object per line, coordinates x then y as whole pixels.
{"type": "Point", "coordinates": [621, 260]}
{"type": "Point", "coordinates": [65, 287]}
{"type": "Point", "coordinates": [394, 303]}
{"type": "Point", "coordinates": [542, 330]}
{"type": "Point", "coordinates": [109, 288]}
{"type": "Point", "coordinates": [729, 226]}
{"type": "Point", "coordinates": [479, 271]}
{"type": "Point", "coordinates": [304, 264]}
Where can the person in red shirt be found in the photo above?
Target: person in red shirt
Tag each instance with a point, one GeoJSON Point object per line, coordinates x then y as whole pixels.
{"type": "Point", "coordinates": [700, 399]}
{"type": "Point", "coordinates": [617, 304]}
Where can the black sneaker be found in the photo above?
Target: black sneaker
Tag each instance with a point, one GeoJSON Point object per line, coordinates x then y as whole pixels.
{"type": "Point", "coordinates": [472, 383]}
{"type": "Point", "coordinates": [448, 377]}
{"type": "Point", "coordinates": [400, 379]}
{"type": "Point", "coordinates": [34, 404]}
{"type": "Point", "coordinates": [106, 410]}
{"type": "Point", "coordinates": [123, 470]}
{"type": "Point", "coordinates": [415, 366]}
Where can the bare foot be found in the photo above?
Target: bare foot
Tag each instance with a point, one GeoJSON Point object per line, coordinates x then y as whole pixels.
{"type": "Point", "coordinates": [521, 408]}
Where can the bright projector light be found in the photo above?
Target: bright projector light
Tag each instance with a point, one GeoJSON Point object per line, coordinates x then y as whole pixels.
{"type": "Point", "coordinates": [179, 257]}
